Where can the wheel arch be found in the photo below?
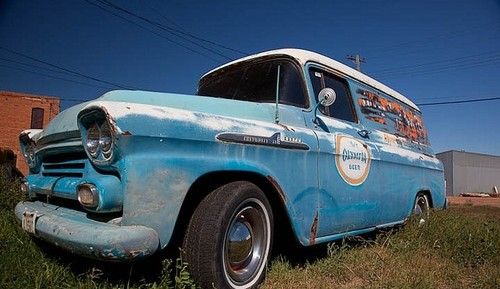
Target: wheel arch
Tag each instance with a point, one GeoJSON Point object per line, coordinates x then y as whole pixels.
{"type": "Point", "coordinates": [210, 181]}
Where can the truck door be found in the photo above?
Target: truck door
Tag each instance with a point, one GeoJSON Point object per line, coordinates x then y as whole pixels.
{"type": "Point", "coordinates": [348, 178]}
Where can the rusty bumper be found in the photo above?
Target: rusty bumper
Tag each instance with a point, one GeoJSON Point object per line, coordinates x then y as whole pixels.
{"type": "Point", "coordinates": [74, 231]}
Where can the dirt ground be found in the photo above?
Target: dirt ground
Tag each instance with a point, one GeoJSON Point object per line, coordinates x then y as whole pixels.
{"type": "Point", "coordinates": [474, 201]}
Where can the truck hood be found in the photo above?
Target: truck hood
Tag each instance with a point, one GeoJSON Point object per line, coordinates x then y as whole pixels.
{"type": "Point", "coordinates": [64, 125]}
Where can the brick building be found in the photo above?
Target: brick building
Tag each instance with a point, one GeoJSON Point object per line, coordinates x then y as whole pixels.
{"type": "Point", "coordinates": [20, 111]}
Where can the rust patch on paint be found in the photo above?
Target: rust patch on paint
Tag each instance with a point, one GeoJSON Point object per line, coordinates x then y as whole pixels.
{"type": "Point", "coordinates": [286, 127]}
{"type": "Point", "coordinates": [277, 188]}
{"type": "Point", "coordinates": [314, 230]}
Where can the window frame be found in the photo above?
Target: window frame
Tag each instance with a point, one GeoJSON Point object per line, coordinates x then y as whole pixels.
{"type": "Point", "coordinates": [42, 116]}
{"type": "Point", "coordinates": [342, 77]}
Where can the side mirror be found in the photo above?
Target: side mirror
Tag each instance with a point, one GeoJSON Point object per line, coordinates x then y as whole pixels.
{"type": "Point", "coordinates": [326, 97]}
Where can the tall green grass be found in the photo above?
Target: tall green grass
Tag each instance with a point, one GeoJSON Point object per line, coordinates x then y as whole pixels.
{"type": "Point", "coordinates": [456, 248]}
{"type": "Point", "coordinates": [28, 263]}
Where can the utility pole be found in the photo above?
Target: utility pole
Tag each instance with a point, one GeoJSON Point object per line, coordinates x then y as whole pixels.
{"type": "Point", "coordinates": [357, 59]}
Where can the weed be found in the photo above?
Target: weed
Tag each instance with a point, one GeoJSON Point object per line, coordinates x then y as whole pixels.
{"type": "Point", "coordinates": [29, 263]}
{"type": "Point", "coordinates": [10, 193]}
{"type": "Point", "coordinates": [453, 249]}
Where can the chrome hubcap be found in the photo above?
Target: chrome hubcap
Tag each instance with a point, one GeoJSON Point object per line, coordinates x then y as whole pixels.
{"type": "Point", "coordinates": [420, 206]}
{"type": "Point", "coordinates": [246, 242]}
{"type": "Point", "coordinates": [421, 209]}
{"type": "Point", "coordinates": [239, 243]}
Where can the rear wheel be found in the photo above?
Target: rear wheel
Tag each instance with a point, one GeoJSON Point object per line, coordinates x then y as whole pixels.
{"type": "Point", "coordinates": [421, 208]}
{"type": "Point", "coordinates": [229, 237]}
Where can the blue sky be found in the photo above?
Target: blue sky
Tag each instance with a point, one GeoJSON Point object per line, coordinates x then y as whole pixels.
{"type": "Point", "coordinates": [431, 51]}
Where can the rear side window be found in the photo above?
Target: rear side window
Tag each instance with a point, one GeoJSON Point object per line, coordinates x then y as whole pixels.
{"type": "Point", "coordinates": [390, 115]}
{"type": "Point", "coordinates": [343, 107]}
{"type": "Point", "coordinates": [257, 82]}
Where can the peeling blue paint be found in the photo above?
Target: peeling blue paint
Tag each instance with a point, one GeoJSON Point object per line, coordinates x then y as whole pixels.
{"type": "Point", "coordinates": [74, 231]}
{"type": "Point", "coordinates": [163, 143]}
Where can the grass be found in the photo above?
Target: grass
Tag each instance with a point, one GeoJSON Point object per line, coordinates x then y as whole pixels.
{"type": "Point", "coordinates": [456, 248]}
{"type": "Point", "coordinates": [29, 263]}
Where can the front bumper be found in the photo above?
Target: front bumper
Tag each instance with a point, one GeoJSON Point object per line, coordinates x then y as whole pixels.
{"type": "Point", "coordinates": [74, 231]}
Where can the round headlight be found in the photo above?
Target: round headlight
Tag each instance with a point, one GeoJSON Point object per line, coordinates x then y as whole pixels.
{"type": "Point", "coordinates": [106, 140]}
{"type": "Point", "coordinates": [92, 142]}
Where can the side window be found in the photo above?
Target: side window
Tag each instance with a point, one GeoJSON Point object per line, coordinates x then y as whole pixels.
{"type": "Point", "coordinates": [256, 82]}
{"type": "Point", "coordinates": [343, 107]}
{"type": "Point", "coordinates": [37, 118]}
{"type": "Point", "coordinates": [388, 114]}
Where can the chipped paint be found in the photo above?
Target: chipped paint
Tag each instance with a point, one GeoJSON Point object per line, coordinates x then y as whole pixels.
{"type": "Point", "coordinates": [208, 121]}
{"type": "Point", "coordinates": [278, 189]}
{"type": "Point", "coordinates": [314, 230]}
{"type": "Point", "coordinates": [408, 154]}
{"type": "Point", "coordinates": [32, 133]}
{"type": "Point", "coordinates": [336, 124]}
{"type": "Point", "coordinates": [166, 142]}
{"type": "Point", "coordinates": [73, 231]}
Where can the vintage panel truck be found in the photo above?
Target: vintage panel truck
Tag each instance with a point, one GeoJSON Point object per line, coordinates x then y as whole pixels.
{"type": "Point", "coordinates": [285, 138]}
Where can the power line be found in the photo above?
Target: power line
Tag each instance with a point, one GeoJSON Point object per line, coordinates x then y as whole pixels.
{"type": "Point", "coordinates": [419, 104]}
{"type": "Point", "coordinates": [152, 31]}
{"type": "Point", "coordinates": [441, 68]}
{"type": "Point", "coordinates": [456, 64]}
{"type": "Point", "coordinates": [52, 76]}
{"type": "Point", "coordinates": [176, 32]}
{"type": "Point", "coordinates": [425, 41]}
{"type": "Point", "coordinates": [33, 65]}
{"type": "Point", "coordinates": [391, 69]}
{"type": "Point", "coordinates": [457, 97]}
{"type": "Point", "coordinates": [93, 85]}
{"type": "Point", "coordinates": [66, 69]}
{"type": "Point", "coordinates": [194, 36]}
{"type": "Point", "coordinates": [172, 31]}
{"type": "Point", "coordinates": [459, 101]}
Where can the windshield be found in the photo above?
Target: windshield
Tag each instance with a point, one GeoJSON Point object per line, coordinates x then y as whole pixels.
{"type": "Point", "coordinates": [256, 82]}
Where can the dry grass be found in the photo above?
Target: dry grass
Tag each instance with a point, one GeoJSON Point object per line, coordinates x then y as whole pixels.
{"type": "Point", "coordinates": [457, 248]}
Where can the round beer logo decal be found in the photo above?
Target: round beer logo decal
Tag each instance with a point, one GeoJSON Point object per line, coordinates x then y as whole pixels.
{"type": "Point", "coordinates": [352, 158]}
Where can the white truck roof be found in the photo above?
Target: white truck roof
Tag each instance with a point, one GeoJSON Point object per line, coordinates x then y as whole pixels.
{"type": "Point", "coordinates": [304, 56]}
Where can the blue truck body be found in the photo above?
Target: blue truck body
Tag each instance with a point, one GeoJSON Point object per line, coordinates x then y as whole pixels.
{"type": "Point", "coordinates": [333, 178]}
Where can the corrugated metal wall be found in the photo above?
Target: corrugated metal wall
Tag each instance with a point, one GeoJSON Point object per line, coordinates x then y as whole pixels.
{"type": "Point", "coordinates": [470, 172]}
{"type": "Point", "coordinates": [447, 158]}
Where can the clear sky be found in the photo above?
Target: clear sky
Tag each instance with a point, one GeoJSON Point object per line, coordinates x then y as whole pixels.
{"type": "Point", "coordinates": [431, 51]}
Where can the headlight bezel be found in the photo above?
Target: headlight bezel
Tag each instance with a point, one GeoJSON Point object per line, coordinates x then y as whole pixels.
{"type": "Point", "coordinates": [97, 130]}
{"type": "Point", "coordinates": [92, 141]}
{"type": "Point", "coordinates": [106, 140]}
{"type": "Point", "coordinates": [29, 149]}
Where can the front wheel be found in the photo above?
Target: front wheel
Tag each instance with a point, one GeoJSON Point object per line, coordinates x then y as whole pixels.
{"type": "Point", "coordinates": [228, 241]}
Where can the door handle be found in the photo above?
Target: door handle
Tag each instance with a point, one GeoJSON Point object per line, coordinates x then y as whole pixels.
{"type": "Point", "coordinates": [364, 133]}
